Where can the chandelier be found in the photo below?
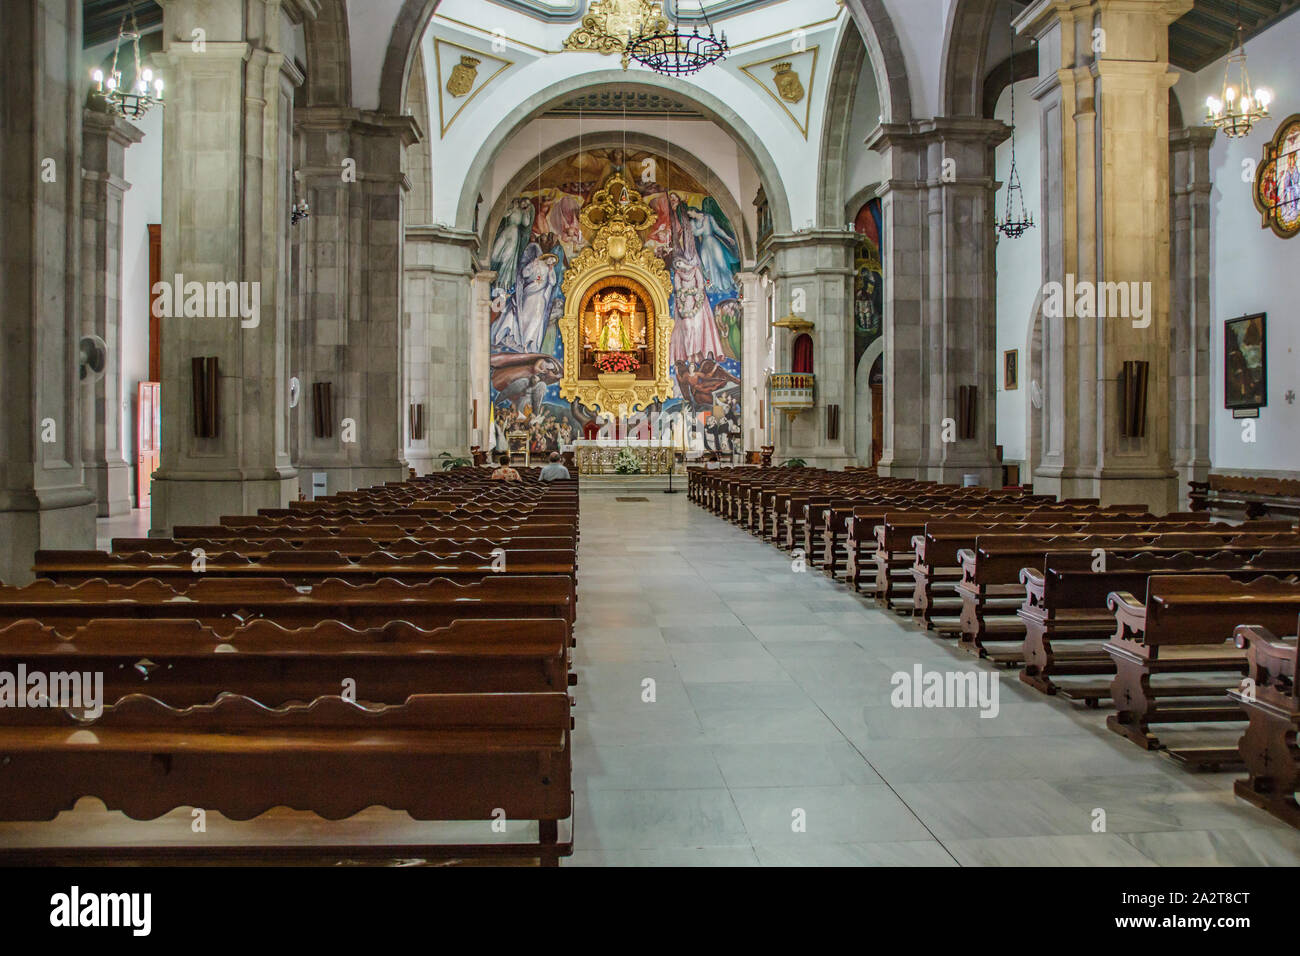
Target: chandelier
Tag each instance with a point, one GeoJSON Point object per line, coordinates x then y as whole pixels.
{"type": "Point", "coordinates": [667, 50]}
{"type": "Point", "coordinates": [1017, 219]}
{"type": "Point", "coordinates": [1237, 107]}
{"type": "Point", "coordinates": [147, 90]}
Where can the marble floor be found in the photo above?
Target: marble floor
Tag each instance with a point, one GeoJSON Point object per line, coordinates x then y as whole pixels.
{"type": "Point", "coordinates": [731, 711]}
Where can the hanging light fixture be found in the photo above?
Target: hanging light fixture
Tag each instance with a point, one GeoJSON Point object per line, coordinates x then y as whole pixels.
{"type": "Point", "coordinates": [1017, 219]}
{"type": "Point", "coordinates": [1237, 107]}
{"type": "Point", "coordinates": [146, 92]}
{"type": "Point", "coordinates": [667, 50]}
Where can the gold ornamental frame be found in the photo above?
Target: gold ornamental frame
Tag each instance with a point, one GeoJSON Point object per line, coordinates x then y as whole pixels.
{"type": "Point", "coordinates": [614, 217]}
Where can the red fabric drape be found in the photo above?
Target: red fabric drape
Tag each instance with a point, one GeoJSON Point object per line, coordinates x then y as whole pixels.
{"type": "Point", "coordinates": [802, 355]}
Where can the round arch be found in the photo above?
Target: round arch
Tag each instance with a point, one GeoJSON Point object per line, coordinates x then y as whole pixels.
{"type": "Point", "coordinates": [709, 105]}
{"type": "Point", "coordinates": [609, 138]}
{"type": "Point", "coordinates": [845, 73]}
{"type": "Point", "coordinates": [329, 56]}
{"type": "Point", "coordinates": [965, 43]}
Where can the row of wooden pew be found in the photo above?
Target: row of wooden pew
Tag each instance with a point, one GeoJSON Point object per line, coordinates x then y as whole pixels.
{"type": "Point", "coordinates": [406, 646]}
{"type": "Point", "coordinates": [1173, 621]}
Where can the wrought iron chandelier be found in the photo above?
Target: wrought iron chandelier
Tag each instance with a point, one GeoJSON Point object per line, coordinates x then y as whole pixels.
{"type": "Point", "coordinates": [1017, 219]}
{"type": "Point", "coordinates": [667, 50]}
{"type": "Point", "coordinates": [1237, 107]}
{"type": "Point", "coordinates": [147, 90]}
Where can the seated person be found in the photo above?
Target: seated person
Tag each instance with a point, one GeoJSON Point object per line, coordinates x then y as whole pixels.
{"type": "Point", "coordinates": [553, 470]}
{"type": "Point", "coordinates": [504, 472]}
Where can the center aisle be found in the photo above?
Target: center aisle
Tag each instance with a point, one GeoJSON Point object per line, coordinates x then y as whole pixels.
{"type": "Point", "coordinates": [723, 698]}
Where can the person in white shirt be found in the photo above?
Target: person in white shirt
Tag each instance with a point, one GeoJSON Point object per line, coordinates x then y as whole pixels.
{"type": "Point", "coordinates": [554, 470]}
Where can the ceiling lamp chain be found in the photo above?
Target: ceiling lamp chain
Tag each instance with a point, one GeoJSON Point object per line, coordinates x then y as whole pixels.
{"type": "Point", "coordinates": [1017, 220]}
{"type": "Point", "coordinates": [147, 90]}
{"type": "Point", "coordinates": [1237, 107]}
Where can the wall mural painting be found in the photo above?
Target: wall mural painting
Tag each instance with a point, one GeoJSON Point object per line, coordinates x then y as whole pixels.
{"type": "Point", "coordinates": [540, 234]}
{"type": "Point", "coordinates": [868, 282]}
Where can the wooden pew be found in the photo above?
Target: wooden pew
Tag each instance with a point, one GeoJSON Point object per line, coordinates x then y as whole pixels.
{"type": "Point", "coordinates": [1184, 627]}
{"type": "Point", "coordinates": [1271, 700]}
{"type": "Point", "coordinates": [435, 756]}
{"type": "Point", "coordinates": [1066, 603]}
{"type": "Point", "coordinates": [183, 661]}
{"type": "Point", "coordinates": [227, 603]}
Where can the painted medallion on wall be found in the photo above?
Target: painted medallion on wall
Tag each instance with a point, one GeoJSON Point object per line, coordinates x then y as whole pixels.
{"type": "Point", "coordinates": [542, 233]}
{"type": "Point", "coordinates": [1245, 362]}
{"type": "Point", "coordinates": [1277, 181]}
{"type": "Point", "coordinates": [868, 280]}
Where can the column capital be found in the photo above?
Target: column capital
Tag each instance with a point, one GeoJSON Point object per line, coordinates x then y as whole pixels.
{"type": "Point", "coordinates": [110, 126]}
{"type": "Point", "coordinates": [364, 122]}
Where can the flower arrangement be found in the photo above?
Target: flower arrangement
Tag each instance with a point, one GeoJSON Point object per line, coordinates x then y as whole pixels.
{"type": "Point", "coordinates": [627, 463]}
{"type": "Point", "coordinates": [614, 362]}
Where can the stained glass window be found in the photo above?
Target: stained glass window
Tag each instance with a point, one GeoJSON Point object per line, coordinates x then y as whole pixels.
{"type": "Point", "coordinates": [1277, 181]}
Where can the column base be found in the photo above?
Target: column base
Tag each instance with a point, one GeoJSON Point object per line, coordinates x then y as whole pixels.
{"type": "Point", "coordinates": [1159, 494]}
{"type": "Point", "coordinates": [62, 520]}
{"type": "Point", "coordinates": [193, 501]}
{"type": "Point", "coordinates": [348, 477]}
{"type": "Point", "coordinates": [111, 483]}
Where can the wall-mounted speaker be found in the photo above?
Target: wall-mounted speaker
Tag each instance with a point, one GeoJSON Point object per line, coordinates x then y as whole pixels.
{"type": "Point", "coordinates": [832, 422]}
{"type": "Point", "coordinates": [415, 416]}
{"type": "Point", "coordinates": [322, 409]}
{"type": "Point", "coordinates": [1133, 399]}
{"type": "Point", "coordinates": [203, 383]}
{"type": "Point", "coordinates": [966, 395]}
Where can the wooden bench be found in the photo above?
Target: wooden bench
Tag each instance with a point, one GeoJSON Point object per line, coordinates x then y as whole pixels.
{"type": "Point", "coordinates": [184, 661]}
{"type": "Point", "coordinates": [1066, 602]}
{"type": "Point", "coordinates": [1185, 626]}
{"type": "Point", "coordinates": [1271, 701]}
{"type": "Point", "coordinates": [435, 756]}
{"type": "Point", "coordinates": [1248, 497]}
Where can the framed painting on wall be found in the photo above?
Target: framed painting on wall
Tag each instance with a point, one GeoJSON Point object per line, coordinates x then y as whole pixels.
{"type": "Point", "coordinates": [1011, 369]}
{"type": "Point", "coordinates": [1245, 362]}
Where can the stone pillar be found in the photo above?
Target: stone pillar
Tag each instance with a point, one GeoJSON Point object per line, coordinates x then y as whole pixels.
{"type": "Point", "coordinates": [1104, 102]}
{"type": "Point", "coordinates": [350, 332]}
{"type": "Point", "coordinates": [1189, 294]}
{"type": "Point", "coordinates": [44, 502]}
{"type": "Point", "coordinates": [439, 274]}
{"type": "Point", "coordinates": [227, 161]}
{"type": "Point", "coordinates": [480, 358]}
{"type": "Point", "coordinates": [753, 352]}
{"type": "Point", "coordinates": [105, 138]}
{"type": "Point", "coordinates": [940, 322]}
{"type": "Point", "coordinates": [817, 265]}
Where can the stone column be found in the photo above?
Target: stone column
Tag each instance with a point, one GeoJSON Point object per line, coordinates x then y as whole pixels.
{"type": "Point", "coordinates": [44, 502]}
{"type": "Point", "coordinates": [1189, 293]}
{"type": "Point", "coordinates": [817, 265]}
{"type": "Point", "coordinates": [105, 138]}
{"type": "Point", "coordinates": [1104, 101]}
{"type": "Point", "coordinates": [940, 322]}
{"type": "Point", "coordinates": [350, 330]}
{"type": "Point", "coordinates": [753, 352]}
{"type": "Point", "coordinates": [480, 357]}
{"type": "Point", "coordinates": [439, 274]}
{"type": "Point", "coordinates": [227, 161]}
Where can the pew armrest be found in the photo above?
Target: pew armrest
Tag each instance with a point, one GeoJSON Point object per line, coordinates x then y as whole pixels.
{"type": "Point", "coordinates": [1130, 615]}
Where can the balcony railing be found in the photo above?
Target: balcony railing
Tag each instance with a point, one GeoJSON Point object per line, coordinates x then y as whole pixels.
{"type": "Point", "coordinates": [792, 392]}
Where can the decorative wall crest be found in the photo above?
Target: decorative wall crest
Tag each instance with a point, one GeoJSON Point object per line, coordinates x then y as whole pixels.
{"type": "Point", "coordinates": [460, 77]}
{"type": "Point", "coordinates": [788, 79]}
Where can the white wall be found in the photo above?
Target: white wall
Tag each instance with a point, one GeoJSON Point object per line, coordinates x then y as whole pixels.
{"type": "Point", "coordinates": [1252, 269]}
{"type": "Point", "coordinates": [141, 205]}
{"type": "Point", "coordinates": [1019, 265]}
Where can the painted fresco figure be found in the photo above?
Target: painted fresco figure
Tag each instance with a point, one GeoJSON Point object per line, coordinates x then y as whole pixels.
{"type": "Point", "coordinates": [522, 326]}
{"type": "Point", "coordinates": [512, 234]}
{"type": "Point", "coordinates": [695, 335]}
{"type": "Point", "coordinates": [718, 251]}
